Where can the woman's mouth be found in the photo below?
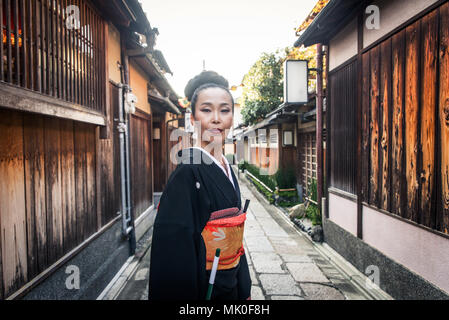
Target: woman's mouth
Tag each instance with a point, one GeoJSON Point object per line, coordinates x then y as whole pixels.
{"type": "Point", "coordinates": [215, 131]}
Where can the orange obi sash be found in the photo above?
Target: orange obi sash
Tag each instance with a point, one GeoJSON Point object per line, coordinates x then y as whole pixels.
{"type": "Point", "coordinates": [224, 230]}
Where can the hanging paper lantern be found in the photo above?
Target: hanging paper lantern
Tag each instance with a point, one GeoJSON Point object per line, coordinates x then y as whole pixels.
{"type": "Point", "coordinates": [183, 102]}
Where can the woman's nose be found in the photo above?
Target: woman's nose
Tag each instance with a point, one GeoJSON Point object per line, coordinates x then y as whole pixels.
{"type": "Point", "coordinates": [216, 116]}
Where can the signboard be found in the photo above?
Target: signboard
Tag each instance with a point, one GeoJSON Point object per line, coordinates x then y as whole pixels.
{"type": "Point", "coordinates": [295, 81]}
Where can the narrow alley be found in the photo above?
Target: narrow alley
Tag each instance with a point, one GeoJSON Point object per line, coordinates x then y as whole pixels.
{"type": "Point", "coordinates": [333, 115]}
{"type": "Point", "coordinates": [284, 263]}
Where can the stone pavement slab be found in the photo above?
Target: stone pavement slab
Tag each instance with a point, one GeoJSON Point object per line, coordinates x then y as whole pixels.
{"type": "Point", "coordinates": [279, 284]}
{"type": "Point", "coordinates": [321, 292]}
{"type": "Point", "coordinates": [267, 262]}
{"type": "Point", "coordinates": [271, 228]}
{"type": "Point", "coordinates": [287, 246]}
{"type": "Point", "coordinates": [295, 257]}
{"type": "Point", "coordinates": [256, 293]}
{"type": "Point", "coordinates": [258, 210]}
{"type": "Point", "coordinates": [306, 272]}
{"type": "Point", "coordinates": [259, 244]}
{"type": "Point", "coordinates": [253, 229]}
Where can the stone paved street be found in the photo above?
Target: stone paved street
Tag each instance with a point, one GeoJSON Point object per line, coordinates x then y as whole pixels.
{"type": "Point", "coordinates": [284, 264]}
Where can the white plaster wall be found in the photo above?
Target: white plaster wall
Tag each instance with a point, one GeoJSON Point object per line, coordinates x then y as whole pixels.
{"type": "Point", "coordinates": [421, 251]}
{"type": "Point", "coordinates": [343, 212]}
{"type": "Point", "coordinates": [343, 46]}
{"type": "Point", "coordinates": [114, 53]}
{"type": "Point", "coordinates": [392, 15]}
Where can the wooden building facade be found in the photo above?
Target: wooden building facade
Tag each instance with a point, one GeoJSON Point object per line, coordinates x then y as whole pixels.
{"type": "Point", "coordinates": [263, 145]}
{"type": "Point", "coordinates": [388, 162]}
{"type": "Point", "coordinates": [286, 139]}
{"type": "Point", "coordinates": [63, 63]}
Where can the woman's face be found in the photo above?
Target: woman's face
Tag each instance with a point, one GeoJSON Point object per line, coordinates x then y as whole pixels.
{"type": "Point", "coordinates": [214, 111]}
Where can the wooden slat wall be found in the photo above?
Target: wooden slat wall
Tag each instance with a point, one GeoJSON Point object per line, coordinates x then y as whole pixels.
{"type": "Point", "coordinates": [109, 167]}
{"type": "Point", "coordinates": [53, 185]}
{"type": "Point", "coordinates": [12, 207]}
{"type": "Point", "coordinates": [385, 111]}
{"type": "Point", "coordinates": [159, 162]}
{"type": "Point", "coordinates": [48, 179]}
{"type": "Point", "coordinates": [141, 175]}
{"type": "Point", "coordinates": [405, 93]}
{"type": "Point", "coordinates": [411, 117]}
{"type": "Point", "coordinates": [443, 123]}
{"type": "Point", "coordinates": [343, 130]}
{"type": "Point", "coordinates": [287, 157]}
{"type": "Point", "coordinates": [429, 60]}
{"type": "Point", "coordinates": [374, 127]}
{"type": "Point", "coordinates": [398, 114]}
{"type": "Point", "coordinates": [68, 183]}
{"type": "Point", "coordinates": [36, 205]}
{"type": "Point", "coordinates": [40, 53]}
{"type": "Point", "coordinates": [366, 138]}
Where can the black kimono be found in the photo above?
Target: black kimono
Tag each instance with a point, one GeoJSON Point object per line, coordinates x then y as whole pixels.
{"type": "Point", "coordinates": [178, 253]}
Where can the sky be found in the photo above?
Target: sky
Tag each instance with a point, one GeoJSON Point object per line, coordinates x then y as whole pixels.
{"type": "Point", "coordinates": [229, 35]}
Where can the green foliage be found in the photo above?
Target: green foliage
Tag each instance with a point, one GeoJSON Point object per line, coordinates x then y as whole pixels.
{"type": "Point", "coordinates": [288, 194]}
{"type": "Point", "coordinates": [312, 192]}
{"type": "Point", "coordinates": [264, 84]}
{"type": "Point", "coordinates": [242, 165]}
{"type": "Point", "coordinates": [285, 178]}
{"type": "Point", "coordinates": [312, 211]}
{"type": "Point", "coordinates": [266, 179]}
{"type": "Point", "coordinates": [267, 194]}
{"type": "Point", "coordinates": [288, 204]}
{"type": "Point", "coordinates": [313, 214]}
{"type": "Point", "coordinates": [287, 198]}
{"type": "Point", "coordinates": [263, 88]}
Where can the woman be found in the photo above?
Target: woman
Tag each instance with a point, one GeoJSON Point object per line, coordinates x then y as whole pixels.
{"type": "Point", "coordinates": [201, 209]}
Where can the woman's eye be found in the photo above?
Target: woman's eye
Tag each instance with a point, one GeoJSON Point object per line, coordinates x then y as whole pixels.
{"type": "Point", "coordinates": [205, 110]}
{"type": "Point", "coordinates": [226, 110]}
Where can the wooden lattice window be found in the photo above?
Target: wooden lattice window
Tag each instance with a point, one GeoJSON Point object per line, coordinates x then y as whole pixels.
{"type": "Point", "coordinates": [54, 47]}
{"type": "Point", "coordinates": [308, 159]}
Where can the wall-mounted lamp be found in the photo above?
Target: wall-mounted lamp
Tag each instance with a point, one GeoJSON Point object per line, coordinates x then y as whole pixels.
{"type": "Point", "coordinates": [296, 81]}
{"type": "Point", "coordinates": [288, 138]}
{"type": "Point", "coordinates": [130, 102]}
{"type": "Point", "coordinates": [156, 133]}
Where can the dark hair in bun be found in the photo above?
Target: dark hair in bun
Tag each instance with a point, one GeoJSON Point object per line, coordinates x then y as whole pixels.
{"type": "Point", "coordinates": [205, 80]}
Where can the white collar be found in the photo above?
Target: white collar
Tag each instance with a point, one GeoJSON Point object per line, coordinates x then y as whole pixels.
{"type": "Point", "coordinates": [228, 168]}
